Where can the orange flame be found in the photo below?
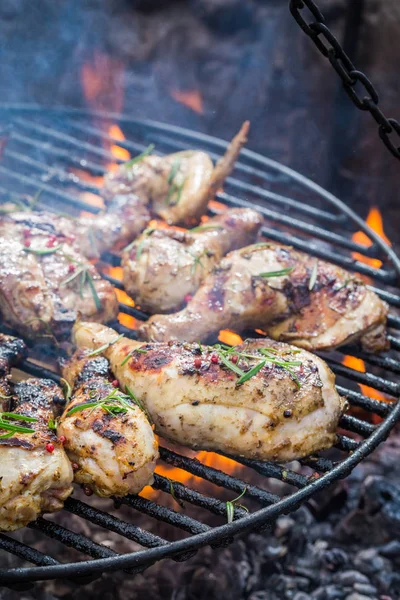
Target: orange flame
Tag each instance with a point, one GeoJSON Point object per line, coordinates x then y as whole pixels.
{"type": "Point", "coordinates": [190, 98]}
{"type": "Point", "coordinates": [229, 337]}
{"type": "Point", "coordinates": [375, 221]}
{"type": "Point", "coordinates": [103, 82]}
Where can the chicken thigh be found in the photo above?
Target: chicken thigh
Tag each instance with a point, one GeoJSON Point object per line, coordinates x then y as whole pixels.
{"type": "Point", "coordinates": [107, 436]}
{"type": "Point", "coordinates": [163, 266]}
{"type": "Point", "coordinates": [262, 400]}
{"type": "Point", "coordinates": [293, 297]}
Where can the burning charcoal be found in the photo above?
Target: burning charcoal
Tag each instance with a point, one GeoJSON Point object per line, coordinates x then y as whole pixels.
{"type": "Point", "coordinates": [357, 596]}
{"type": "Point", "coordinates": [364, 588]}
{"type": "Point", "coordinates": [302, 596]}
{"type": "Point", "coordinates": [335, 558]}
{"type": "Point", "coordinates": [390, 550]}
{"type": "Point", "coordinates": [283, 526]}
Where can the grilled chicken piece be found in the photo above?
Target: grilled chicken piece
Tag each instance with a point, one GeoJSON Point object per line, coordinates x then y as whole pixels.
{"type": "Point", "coordinates": [164, 265]}
{"type": "Point", "coordinates": [177, 186]}
{"type": "Point", "coordinates": [35, 474]}
{"type": "Point", "coordinates": [288, 294]}
{"type": "Point", "coordinates": [280, 413]}
{"type": "Point", "coordinates": [108, 438]}
{"type": "Point", "coordinates": [44, 279]}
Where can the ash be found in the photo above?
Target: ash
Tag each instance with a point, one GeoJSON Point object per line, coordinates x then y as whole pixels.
{"type": "Point", "coordinates": [343, 545]}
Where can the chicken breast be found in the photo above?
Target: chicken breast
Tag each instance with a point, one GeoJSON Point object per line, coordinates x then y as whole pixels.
{"type": "Point", "coordinates": [109, 440]}
{"type": "Point", "coordinates": [177, 186]}
{"type": "Point", "coordinates": [163, 266]}
{"type": "Point", "coordinates": [263, 400]}
{"type": "Point", "coordinates": [44, 279]}
{"type": "Point", "coordinates": [293, 297]}
{"type": "Point", "coordinates": [35, 474]}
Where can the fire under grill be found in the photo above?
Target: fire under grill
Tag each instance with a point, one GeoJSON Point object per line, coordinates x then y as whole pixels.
{"type": "Point", "coordinates": [60, 156]}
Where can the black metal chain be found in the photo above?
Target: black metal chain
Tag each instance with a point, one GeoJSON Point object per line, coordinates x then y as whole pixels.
{"type": "Point", "coordinates": [330, 47]}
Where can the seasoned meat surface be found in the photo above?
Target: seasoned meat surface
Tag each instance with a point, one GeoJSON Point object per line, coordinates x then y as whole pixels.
{"type": "Point", "coordinates": [109, 440]}
{"type": "Point", "coordinates": [288, 294]}
{"type": "Point", "coordinates": [45, 281]}
{"type": "Point", "coordinates": [288, 409]}
{"type": "Point", "coordinates": [35, 474]}
{"type": "Point", "coordinates": [163, 266]}
{"type": "Point", "coordinates": [178, 186]}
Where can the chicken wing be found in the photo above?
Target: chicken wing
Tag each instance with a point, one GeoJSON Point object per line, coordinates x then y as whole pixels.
{"type": "Point", "coordinates": [263, 399]}
{"type": "Point", "coordinates": [44, 279]}
{"type": "Point", "coordinates": [108, 437]}
{"type": "Point", "coordinates": [293, 297]}
{"type": "Point", "coordinates": [163, 266]}
{"type": "Point", "coordinates": [177, 186]}
{"type": "Point", "coordinates": [35, 474]}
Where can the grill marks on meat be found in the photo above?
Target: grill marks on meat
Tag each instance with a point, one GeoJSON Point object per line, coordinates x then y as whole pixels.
{"type": "Point", "coordinates": [35, 296]}
{"type": "Point", "coordinates": [163, 266]}
{"type": "Point", "coordinates": [200, 405]}
{"type": "Point", "coordinates": [178, 186]}
{"type": "Point", "coordinates": [33, 480]}
{"type": "Point", "coordinates": [326, 313]}
{"type": "Point", "coordinates": [114, 454]}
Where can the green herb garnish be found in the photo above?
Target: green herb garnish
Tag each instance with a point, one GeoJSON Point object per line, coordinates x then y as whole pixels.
{"type": "Point", "coordinates": [82, 272]}
{"type": "Point", "coordinates": [12, 428]}
{"type": "Point", "coordinates": [140, 157]}
{"type": "Point", "coordinates": [268, 355]}
{"type": "Point", "coordinates": [175, 189]}
{"type": "Point", "coordinates": [105, 346]}
{"type": "Point", "coordinates": [115, 403]}
{"type": "Point", "coordinates": [52, 424]}
{"type": "Point", "coordinates": [136, 400]}
{"type": "Point", "coordinates": [146, 233]}
{"type": "Point", "coordinates": [43, 251]}
{"type": "Point", "coordinates": [230, 506]}
{"type": "Point", "coordinates": [280, 273]}
{"type": "Point", "coordinates": [204, 228]}
{"type": "Point", "coordinates": [313, 276]}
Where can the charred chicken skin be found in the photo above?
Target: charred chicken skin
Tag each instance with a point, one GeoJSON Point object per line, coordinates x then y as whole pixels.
{"type": "Point", "coordinates": [163, 266]}
{"type": "Point", "coordinates": [35, 474]}
{"type": "Point", "coordinates": [45, 281]}
{"type": "Point", "coordinates": [177, 186]}
{"type": "Point", "coordinates": [108, 437]}
{"type": "Point", "coordinates": [294, 298]}
{"type": "Point", "coordinates": [263, 399]}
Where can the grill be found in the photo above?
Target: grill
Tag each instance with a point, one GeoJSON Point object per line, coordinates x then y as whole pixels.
{"type": "Point", "coordinates": [61, 153]}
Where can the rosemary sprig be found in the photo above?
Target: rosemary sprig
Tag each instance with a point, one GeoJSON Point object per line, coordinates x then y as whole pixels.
{"type": "Point", "coordinates": [105, 346]}
{"type": "Point", "coordinates": [268, 355]}
{"type": "Point", "coordinates": [174, 170]}
{"type": "Point", "coordinates": [52, 424]}
{"type": "Point", "coordinates": [12, 428]}
{"type": "Point", "coordinates": [128, 356]}
{"type": "Point", "coordinates": [252, 372]}
{"type": "Point", "coordinates": [175, 189]}
{"type": "Point", "coordinates": [313, 276]}
{"type": "Point", "coordinates": [197, 260]}
{"type": "Point", "coordinates": [204, 228]}
{"type": "Point", "coordinates": [140, 157]}
{"type": "Point", "coordinates": [280, 273]}
{"type": "Point", "coordinates": [43, 251]}
{"type": "Point", "coordinates": [230, 506]}
{"type": "Point", "coordinates": [115, 403]}
{"type": "Point", "coordinates": [84, 277]}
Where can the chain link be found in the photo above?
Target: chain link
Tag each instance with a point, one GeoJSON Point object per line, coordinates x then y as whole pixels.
{"type": "Point", "coordinates": [330, 47]}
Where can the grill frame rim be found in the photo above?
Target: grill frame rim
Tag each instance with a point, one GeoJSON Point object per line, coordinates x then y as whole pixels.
{"type": "Point", "coordinates": [148, 556]}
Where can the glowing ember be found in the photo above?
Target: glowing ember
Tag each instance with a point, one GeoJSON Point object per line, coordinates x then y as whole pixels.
{"type": "Point", "coordinates": [190, 98]}
{"type": "Point", "coordinates": [374, 220]}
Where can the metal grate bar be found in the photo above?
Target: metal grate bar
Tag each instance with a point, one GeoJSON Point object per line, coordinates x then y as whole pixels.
{"type": "Point", "coordinates": [167, 515]}
{"type": "Point", "coordinates": [308, 228]}
{"type": "Point", "coordinates": [25, 552]}
{"type": "Point", "coordinates": [192, 465]}
{"type": "Point", "coordinates": [356, 425]}
{"type": "Point", "coordinates": [179, 491]}
{"type": "Point", "coordinates": [383, 385]}
{"type": "Point", "coordinates": [392, 299]}
{"type": "Point", "coordinates": [73, 540]}
{"type": "Point", "coordinates": [347, 444]}
{"type": "Point", "coordinates": [394, 342]}
{"type": "Point", "coordinates": [268, 469]}
{"type": "Point", "coordinates": [127, 530]}
{"type": "Point", "coordinates": [357, 399]}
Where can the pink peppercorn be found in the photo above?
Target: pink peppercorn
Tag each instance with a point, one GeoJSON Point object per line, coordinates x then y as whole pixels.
{"type": "Point", "coordinates": [234, 359]}
{"type": "Point", "coordinates": [214, 359]}
{"type": "Point", "coordinates": [50, 447]}
{"type": "Point", "coordinates": [115, 383]}
{"type": "Point", "coordinates": [197, 363]}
